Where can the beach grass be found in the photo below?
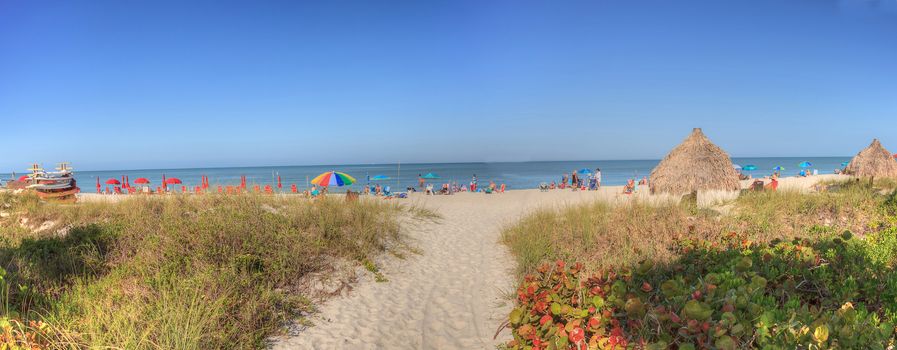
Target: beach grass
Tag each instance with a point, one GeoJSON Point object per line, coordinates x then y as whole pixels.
{"type": "Point", "coordinates": [603, 235]}
{"type": "Point", "coordinates": [186, 272]}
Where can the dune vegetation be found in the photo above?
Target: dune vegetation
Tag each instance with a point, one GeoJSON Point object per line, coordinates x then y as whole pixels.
{"type": "Point", "coordinates": [188, 272]}
{"type": "Point", "coordinates": [776, 270]}
{"type": "Point", "coordinates": [601, 235]}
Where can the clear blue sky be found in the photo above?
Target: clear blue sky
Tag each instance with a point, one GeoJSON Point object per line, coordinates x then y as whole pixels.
{"type": "Point", "coordinates": [142, 84]}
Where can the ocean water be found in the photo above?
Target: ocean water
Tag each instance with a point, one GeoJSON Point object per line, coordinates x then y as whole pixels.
{"type": "Point", "coordinates": [516, 175]}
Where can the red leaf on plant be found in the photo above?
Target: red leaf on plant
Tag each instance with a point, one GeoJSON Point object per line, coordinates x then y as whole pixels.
{"type": "Point", "coordinates": [728, 308]}
{"type": "Point", "coordinates": [577, 335]}
{"type": "Point", "coordinates": [646, 287]}
{"type": "Point", "coordinates": [593, 322]}
{"type": "Point", "coordinates": [675, 318]}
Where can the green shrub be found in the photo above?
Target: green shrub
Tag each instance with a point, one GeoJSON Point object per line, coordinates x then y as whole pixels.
{"type": "Point", "coordinates": [833, 293]}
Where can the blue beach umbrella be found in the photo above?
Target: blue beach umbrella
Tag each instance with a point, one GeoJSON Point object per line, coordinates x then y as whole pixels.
{"type": "Point", "coordinates": [843, 164]}
{"type": "Point", "coordinates": [431, 176]}
{"type": "Point", "coordinates": [805, 164]}
{"type": "Point", "coordinates": [749, 167]}
{"type": "Point", "coordinates": [379, 177]}
{"type": "Point", "coordinates": [584, 171]}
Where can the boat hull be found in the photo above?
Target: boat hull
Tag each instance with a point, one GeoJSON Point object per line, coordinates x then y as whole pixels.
{"type": "Point", "coordinates": [59, 195]}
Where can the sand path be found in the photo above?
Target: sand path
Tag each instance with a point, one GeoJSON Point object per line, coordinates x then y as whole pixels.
{"type": "Point", "coordinates": [451, 296]}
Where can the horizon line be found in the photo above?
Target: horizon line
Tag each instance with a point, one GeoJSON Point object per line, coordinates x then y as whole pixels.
{"type": "Point", "coordinates": [424, 163]}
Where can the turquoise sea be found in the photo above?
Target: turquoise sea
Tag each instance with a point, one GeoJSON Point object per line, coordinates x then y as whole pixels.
{"type": "Point", "coordinates": [517, 175]}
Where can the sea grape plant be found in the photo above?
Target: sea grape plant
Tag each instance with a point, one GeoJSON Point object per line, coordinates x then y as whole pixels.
{"type": "Point", "coordinates": [839, 292]}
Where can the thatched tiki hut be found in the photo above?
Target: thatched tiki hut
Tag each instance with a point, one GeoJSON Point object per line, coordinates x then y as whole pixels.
{"type": "Point", "coordinates": [874, 161]}
{"type": "Point", "coordinates": [695, 165]}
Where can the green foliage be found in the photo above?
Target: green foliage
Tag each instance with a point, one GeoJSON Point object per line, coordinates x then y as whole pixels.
{"type": "Point", "coordinates": [16, 333]}
{"type": "Point", "coordinates": [839, 292]}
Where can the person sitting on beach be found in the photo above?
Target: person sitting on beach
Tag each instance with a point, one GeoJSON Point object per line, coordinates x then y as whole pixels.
{"type": "Point", "coordinates": [378, 190]}
{"type": "Point", "coordinates": [429, 189]}
{"type": "Point", "coordinates": [630, 187]}
{"type": "Point", "coordinates": [773, 184]}
{"type": "Point", "coordinates": [491, 186]}
{"type": "Point", "coordinates": [757, 185]}
{"type": "Point", "coordinates": [563, 184]}
{"type": "Point", "coordinates": [445, 188]}
{"type": "Point", "coordinates": [314, 191]}
{"type": "Point", "coordinates": [552, 186]}
{"type": "Point", "coordinates": [643, 181]}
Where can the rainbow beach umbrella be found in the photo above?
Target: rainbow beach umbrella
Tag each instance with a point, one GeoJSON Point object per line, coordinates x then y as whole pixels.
{"type": "Point", "coordinates": [332, 178]}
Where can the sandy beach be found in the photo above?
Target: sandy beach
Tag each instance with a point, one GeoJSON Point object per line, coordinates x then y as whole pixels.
{"type": "Point", "coordinates": [454, 294]}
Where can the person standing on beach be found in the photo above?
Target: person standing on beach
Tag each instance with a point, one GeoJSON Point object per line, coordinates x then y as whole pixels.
{"type": "Point", "coordinates": [574, 181]}
{"type": "Point", "coordinates": [473, 183]}
{"type": "Point", "coordinates": [598, 176]}
{"type": "Point", "coordinates": [420, 181]}
{"type": "Point", "coordinates": [563, 181]}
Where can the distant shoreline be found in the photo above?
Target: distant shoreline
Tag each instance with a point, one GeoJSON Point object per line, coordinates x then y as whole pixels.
{"type": "Point", "coordinates": [275, 167]}
{"type": "Point", "coordinates": [789, 183]}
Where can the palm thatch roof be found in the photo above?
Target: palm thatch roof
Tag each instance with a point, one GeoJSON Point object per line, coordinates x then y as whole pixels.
{"type": "Point", "coordinates": [874, 161]}
{"type": "Point", "coordinates": [695, 165]}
